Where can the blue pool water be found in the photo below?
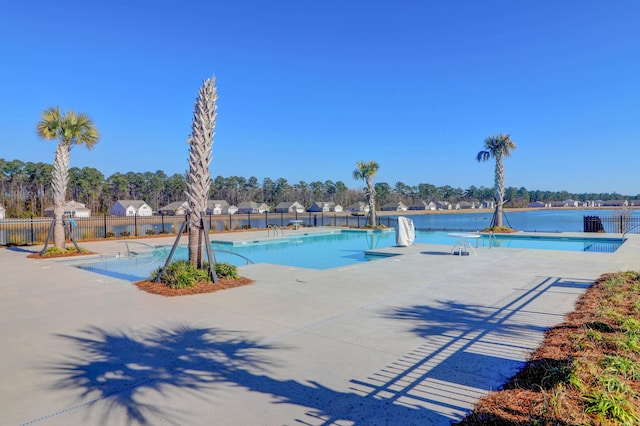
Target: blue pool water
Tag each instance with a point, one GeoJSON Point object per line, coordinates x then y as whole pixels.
{"type": "Point", "coordinates": [330, 250]}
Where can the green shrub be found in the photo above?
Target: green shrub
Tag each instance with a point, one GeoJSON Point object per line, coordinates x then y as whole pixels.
{"type": "Point", "coordinates": [150, 232]}
{"type": "Point", "coordinates": [55, 251]}
{"type": "Point", "coordinates": [181, 274]}
{"type": "Point", "coordinates": [226, 270]}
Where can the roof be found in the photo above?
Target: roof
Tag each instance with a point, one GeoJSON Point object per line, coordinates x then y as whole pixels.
{"type": "Point", "coordinates": [131, 203]}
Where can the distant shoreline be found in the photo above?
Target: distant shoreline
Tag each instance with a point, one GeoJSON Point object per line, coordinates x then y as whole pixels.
{"type": "Point", "coordinates": [507, 210]}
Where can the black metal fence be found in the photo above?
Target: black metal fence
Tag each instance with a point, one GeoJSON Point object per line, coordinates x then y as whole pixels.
{"type": "Point", "coordinates": [616, 224]}
{"type": "Point", "coordinates": [34, 230]}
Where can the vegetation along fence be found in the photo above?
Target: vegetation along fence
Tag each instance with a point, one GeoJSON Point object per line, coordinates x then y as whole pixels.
{"type": "Point", "coordinates": [34, 230]}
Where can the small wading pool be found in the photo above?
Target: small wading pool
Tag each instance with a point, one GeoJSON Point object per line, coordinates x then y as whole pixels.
{"type": "Point", "coordinates": [327, 250]}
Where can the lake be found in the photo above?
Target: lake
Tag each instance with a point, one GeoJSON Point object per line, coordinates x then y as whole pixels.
{"type": "Point", "coordinates": [530, 220]}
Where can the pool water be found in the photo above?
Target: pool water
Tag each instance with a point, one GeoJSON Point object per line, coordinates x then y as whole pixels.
{"type": "Point", "coordinates": [327, 250]}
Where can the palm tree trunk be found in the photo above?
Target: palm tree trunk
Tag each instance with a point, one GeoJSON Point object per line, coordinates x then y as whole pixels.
{"type": "Point", "coordinates": [198, 176]}
{"type": "Point", "coordinates": [499, 186]}
{"type": "Point", "coordinates": [59, 182]}
{"type": "Point", "coordinates": [371, 196]}
{"type": "Point", "coordinates": [196, 243]}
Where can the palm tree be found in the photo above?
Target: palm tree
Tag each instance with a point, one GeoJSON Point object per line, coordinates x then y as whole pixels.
{"type": "Point", "coordinates": [70, 129]}
{"type": "Point", "coordinates": [366, 171]}
{"type": "Point", "coordinates": [498, 147]}
{"type": "Point", "coordinates": [198, 177]}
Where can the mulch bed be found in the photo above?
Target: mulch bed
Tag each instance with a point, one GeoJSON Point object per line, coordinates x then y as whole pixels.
{"type": "Point", "coordinates": [201, 287]}
{"type": "Point", "coordinates": [55, 255]}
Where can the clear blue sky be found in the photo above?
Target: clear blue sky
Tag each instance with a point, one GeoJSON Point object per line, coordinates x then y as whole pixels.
{"type": "Point", "coordinates": [308, 88]}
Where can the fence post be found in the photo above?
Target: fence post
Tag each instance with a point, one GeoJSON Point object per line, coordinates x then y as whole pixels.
{"type": "Point", "coordinates": [32, 232]}
{"type": "Point", "coordinates": [105, 225]}
{"type": "Point", "coordinates": [135, 225]}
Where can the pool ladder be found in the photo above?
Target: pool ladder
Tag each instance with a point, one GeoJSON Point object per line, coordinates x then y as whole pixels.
{"type": "Point", "coordinates": [275, 229]}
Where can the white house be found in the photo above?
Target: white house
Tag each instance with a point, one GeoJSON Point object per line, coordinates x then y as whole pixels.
{"type": "Point", "coordinates": [71, 209]}
{"type": "Point", "coordinates": [2, 212]}
{"type": "Point", "coordinates": [131, 208]}
{"type": "Point", "coordinates": [289, 207]}
{"type": "Point", "coordinates": [252, 207]}
{"type": "Point", "coordinates": [217, 207]}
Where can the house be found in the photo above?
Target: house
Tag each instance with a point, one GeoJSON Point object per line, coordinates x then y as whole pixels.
{"type": "Point", "coordinates": [398, 206]}
{"type": "Point", "coordinates": [357, 208]}
{"type": "Point", "coordinates": [217, 207]}
{"type": "Point", "coordinates": [615, 203]}
{"type": "Point", "coordinates": [536, 205]}
{"type": "Point", "coordinates": [289, 207]}
{"type": "Point", "coordinates": [443, 205]}
{"type": "Point", "coordinates": [558, 204]}
{"type": "Point", "coordinates": [324, 207]}
{"type": "Point", "coordinates": [487, 204]}
{"type": "Point", "coordinates": [177, 208]}
{"type": "Point", "coordinates": [420, 205]}
{"type": "Point", "coordinates": [465, 205]}
{"type": "Point", "coordinates": [252, 207]}
{"type": "Point", "coordinates": [131, 208]}
{"type": "Point", "coordinates": [572, 203]}
{"type": "Point", "coordinates": [71, 209]}
{"type": "Point", "coordinates": [230, 209]}
{"type": "Point", "coordinates": [2, 212]}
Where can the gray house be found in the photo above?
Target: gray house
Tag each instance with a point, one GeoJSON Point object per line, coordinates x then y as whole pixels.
{"type": "Point", "coordinates": [357, 208]}
{"type": "Point", "coordinates": [443, 205]}
{"type": "Point", "coordinates": [465, 205]}
{"type": "Point", "coordinates": [177, 208]}
{"type": "Point", "coordinates": [422, 205]}
{"type": "Point", "coordinates": [252, 207]}
{"type": "Point", "coordinates": [289, 207]}
{"type": "Point", "coordinates": [398, 206]}
{"type": "Point", "coordinates": [324, 207]}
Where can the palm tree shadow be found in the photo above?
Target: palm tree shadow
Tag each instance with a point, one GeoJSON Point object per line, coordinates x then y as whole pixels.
{"type": "Point", "coordinates": [118, 368]}
{"type": "Point", "coordinates": [121, 370]}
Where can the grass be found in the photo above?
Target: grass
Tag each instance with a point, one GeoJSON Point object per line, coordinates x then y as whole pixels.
{"type": "Point", "coordinates": [587, 372]}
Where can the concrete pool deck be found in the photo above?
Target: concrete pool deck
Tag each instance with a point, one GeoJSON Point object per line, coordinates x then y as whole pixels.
{"type": "Point", "coordinates": [411, 339]}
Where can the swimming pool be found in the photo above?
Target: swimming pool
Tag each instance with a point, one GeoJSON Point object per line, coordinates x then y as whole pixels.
{"type": "Point", "coordinates": [328, 250]}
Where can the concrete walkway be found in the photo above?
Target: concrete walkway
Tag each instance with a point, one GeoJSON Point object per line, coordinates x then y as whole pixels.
{"type": "Point", "coordinates": [412, 339]}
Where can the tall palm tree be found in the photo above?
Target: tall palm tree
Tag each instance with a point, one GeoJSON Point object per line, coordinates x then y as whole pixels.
{"type": "Point", "coordinates": [498, 147]}
{"type": "Point", "coordinates": [70, 128]}
{"type": "Point", "coordinates": [198, 177]}
{"type": "Point", "coordinates": [366, 171]}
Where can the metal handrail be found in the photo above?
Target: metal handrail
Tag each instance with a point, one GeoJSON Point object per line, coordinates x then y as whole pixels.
{"type": "Point", "coordinates": [130, 252]}
{"type": "Point", "coordinates": [237, 254]}
{"type": "Point", "coordinates": [275, 229]}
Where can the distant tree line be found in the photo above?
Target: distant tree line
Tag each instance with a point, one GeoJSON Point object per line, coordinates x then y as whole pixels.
{"type": "Point", "coordinates": [25, 190]}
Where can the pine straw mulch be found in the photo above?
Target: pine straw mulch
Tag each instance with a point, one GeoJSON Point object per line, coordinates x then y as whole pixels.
{"type": "Point", "coordinates": [201, 287]}
{"type": "Point", "coordinates": [70, 253]}
{"type": "Point", "coordinates": [544, 391]}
